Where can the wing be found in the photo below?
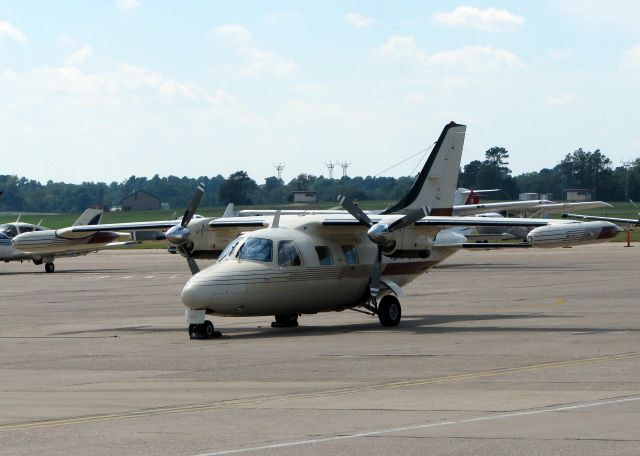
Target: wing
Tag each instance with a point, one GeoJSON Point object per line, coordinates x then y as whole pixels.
{"type": "Point", "coordinates": [495, 207]}
{"type": "Point", "coordinates": [604, 219]}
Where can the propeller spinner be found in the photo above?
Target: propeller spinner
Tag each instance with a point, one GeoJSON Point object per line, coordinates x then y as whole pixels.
{"type": "Point", "coordinates": [180, 235]}
{"type": "Point", "coordinates": [379, 235]}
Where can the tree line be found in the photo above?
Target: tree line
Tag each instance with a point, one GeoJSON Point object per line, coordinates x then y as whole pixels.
{"type": "Point", "coordinates": [590, 170]}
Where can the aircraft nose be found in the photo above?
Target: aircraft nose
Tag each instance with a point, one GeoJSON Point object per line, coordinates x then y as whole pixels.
{"type": "Point", "coordinates": [194, 295]}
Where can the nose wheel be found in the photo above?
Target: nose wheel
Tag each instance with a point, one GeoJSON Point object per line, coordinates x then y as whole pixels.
{"type": "Point", "coordinates": [285, 321]}
{"type": "Point", "coordinates": [49, 267]}
{"type": "Point", "coordinates": [203, 331]}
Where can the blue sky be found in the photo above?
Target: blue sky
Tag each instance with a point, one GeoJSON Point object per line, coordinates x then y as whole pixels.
{"type": "Point", "coordinates": [101, 90]}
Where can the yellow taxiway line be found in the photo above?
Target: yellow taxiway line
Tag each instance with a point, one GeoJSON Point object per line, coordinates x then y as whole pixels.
{"type": "Point", "coordinates": [186, 408]}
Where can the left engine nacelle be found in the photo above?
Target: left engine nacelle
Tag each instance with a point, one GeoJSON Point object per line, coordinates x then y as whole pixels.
{"type": "Point", "coordinates": [566, 234]}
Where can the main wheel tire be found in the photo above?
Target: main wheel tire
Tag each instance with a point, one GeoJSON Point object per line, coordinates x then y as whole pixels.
{"type": "Point", "coordinates": [49, 267]}
{"type": "Point", "coordinates": [208, 329]}
{"type": "Point", "coordinates": [389, 311]}
{"type": "Point", "coordinates": [285, 320]}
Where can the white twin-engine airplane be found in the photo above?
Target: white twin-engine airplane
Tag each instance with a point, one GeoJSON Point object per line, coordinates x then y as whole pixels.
{"type": "Point", "coordinates": [23, 241]}
{"type": "Point", "coordinates": [303, 263]}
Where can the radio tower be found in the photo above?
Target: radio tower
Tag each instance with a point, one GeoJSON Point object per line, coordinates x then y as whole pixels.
{"type": "Point", "coordinates": [330, 166]}
{"type": "Point", "coordinates": [627, 165]}
{"type": "Point", "coordinates": [344, 165]}
{"type": "Point", "coordinates": [279, 167]}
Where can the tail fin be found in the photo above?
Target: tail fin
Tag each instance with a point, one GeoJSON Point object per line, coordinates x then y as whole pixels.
{"type": "Point", "coordinates": [89, 217]}
{"type": "Point", "coordinates": [463, 197]}
{"type": "Point", "coordinates": [473, 198]}
{"type": "Point", "coordinates": [435, 186]}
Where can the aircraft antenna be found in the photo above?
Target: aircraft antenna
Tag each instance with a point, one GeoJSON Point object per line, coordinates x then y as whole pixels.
{"type": "Point", "coordinates": [344, 165]}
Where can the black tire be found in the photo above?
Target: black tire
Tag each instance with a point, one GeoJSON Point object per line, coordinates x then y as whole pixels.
{"type": "Point", "coordinates": [389, 311]}
{"type": "Point", "coordinates": [208, 329]}
{"type": "Point", "coordinates": [49, 267]}
{"type": "Point", "coordinates": [287, 319]}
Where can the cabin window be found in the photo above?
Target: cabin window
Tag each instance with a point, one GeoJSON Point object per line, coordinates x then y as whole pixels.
{"type": "Point", "coordinates": [288, 254]}
{"type": "Point", "coordinates": [350, 254]}
{"type": "Point", "coordinates": [228, 249]}
{"type": "Point", "coordinates": [324, 255]}
{"type": "Point", "coordinates": [257, 249]}
{"type": "Point", "coordinates": [26, 229]}
{"type": "Point", "coordinates": [9, 230]}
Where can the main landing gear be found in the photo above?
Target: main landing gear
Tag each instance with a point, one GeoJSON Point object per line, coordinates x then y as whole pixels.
{"type": "Point", "coordinates": [49, 267]}
{"type": "Point", "coordinates": [388, 310]}
{"type": "Point", "coordinates": [285, 321]}
{"type": "Point", "coordinates": [203, 331]}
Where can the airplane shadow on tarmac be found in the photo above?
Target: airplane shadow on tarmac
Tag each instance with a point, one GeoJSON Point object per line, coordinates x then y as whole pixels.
{"type": "Point", "coordinates": [428, 324]}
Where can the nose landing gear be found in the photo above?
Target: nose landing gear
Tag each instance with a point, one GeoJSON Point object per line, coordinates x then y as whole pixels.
{"type": "Point", "coordinates": [285, 321]}
{"type": "Point", "coordinates": [203, 331]}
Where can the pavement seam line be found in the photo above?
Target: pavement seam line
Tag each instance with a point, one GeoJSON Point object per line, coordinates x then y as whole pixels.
{"type": "Point", "coordinates": [334, 392]}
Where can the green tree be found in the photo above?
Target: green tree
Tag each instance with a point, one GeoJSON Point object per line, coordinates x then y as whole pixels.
{"type": "Point", "coordinates": [236, 188]}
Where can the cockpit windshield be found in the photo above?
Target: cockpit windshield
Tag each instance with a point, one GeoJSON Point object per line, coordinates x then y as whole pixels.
{"type": "Point", "coordinates": [8, 230]}
{"type": "Point", "coordinates": [257, 249]}
{"type": "Point", "coordinates": [228, 249]}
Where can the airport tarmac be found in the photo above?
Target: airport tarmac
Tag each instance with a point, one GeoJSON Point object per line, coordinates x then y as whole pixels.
{"type": "Point", "coordinates": [498, 353]}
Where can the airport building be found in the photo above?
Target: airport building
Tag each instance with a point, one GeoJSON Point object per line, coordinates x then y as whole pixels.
{"type": "Point", "coordinates": [140, 201]}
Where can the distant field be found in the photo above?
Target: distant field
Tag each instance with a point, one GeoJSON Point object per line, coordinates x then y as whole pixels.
{"type": "Point", "coordinates": [55, 221]}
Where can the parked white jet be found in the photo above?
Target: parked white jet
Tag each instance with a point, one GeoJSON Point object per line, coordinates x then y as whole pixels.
{"type": "Point", "coordinates": [23, 241]}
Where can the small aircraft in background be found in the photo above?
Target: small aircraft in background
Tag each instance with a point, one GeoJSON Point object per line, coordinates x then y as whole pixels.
{"type": "Point", "coordinates": [21, 241]}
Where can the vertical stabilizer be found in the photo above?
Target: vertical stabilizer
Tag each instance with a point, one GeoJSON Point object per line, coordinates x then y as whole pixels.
{"type": "Point", "coordinates": [436, 184]}
{"type": "Point", "coordinates": [89, 217]}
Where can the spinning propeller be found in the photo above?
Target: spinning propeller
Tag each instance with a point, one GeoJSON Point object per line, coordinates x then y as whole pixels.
{"type": "Point", "coordinates": [379, 233]}
{"type": "Point", "coordinates": [180, 235]}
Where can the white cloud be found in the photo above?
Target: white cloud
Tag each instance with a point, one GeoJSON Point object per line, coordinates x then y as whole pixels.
{"type": "Point", "coordinates": [490, 19]}
{"type": "Point", "coordinates": [562, 100]}
{"type": "Point", "coordinates": [358, 20]}
{"type": "Point", "coordinates": [259, 61]}
{"type": "Point", "coordinates": [128, 5]}
{"type": "Point", "coordinates": [401, 47]}
{"type": "Point", "coordinates": [476, 58]}
{"type": "Point", "coordinates": [470, 58]}
{"type": "Point", "coordinates": [79, 56]}
{"type": "Point", "coordinates": [631, 59]}
{"type": "Point", "coordinates": [560, 54]}
{"type": "Point", "coordinates": [9, 32]}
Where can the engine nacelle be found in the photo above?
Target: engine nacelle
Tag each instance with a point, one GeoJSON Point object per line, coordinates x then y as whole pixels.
{"type": "Point", "coordinates": [567, 234]}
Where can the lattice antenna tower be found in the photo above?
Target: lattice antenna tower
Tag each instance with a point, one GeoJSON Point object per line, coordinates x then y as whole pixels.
{"type": "Point", "coordinates": [330, 166]}
{"type": "Point", "coordinates": [279, 167]}
{"type": "Point", "coordinates": [627, 166]}
{"type": "Point", "coordinates": [344, 165]}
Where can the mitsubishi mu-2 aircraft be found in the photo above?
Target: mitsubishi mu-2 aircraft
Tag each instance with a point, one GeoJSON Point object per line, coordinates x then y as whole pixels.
{"type": "Point", "coordinates": [295, 264]}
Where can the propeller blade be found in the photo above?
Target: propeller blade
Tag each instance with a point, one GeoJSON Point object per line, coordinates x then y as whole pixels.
{"type": "Point", "coordinates": [408, 219]}
{"type": "Point", "coordinates": [353, 209]}
{"type": "Point", "coordinates": [374, 286]}
{"type": "Point", "coordinates": [193, 205]}
{"type": "Point", "coordinates": [193, 266]}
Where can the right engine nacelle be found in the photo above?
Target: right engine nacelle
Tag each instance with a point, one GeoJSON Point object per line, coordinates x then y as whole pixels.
{"type": "Point", "coordinates": [566, 234]}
